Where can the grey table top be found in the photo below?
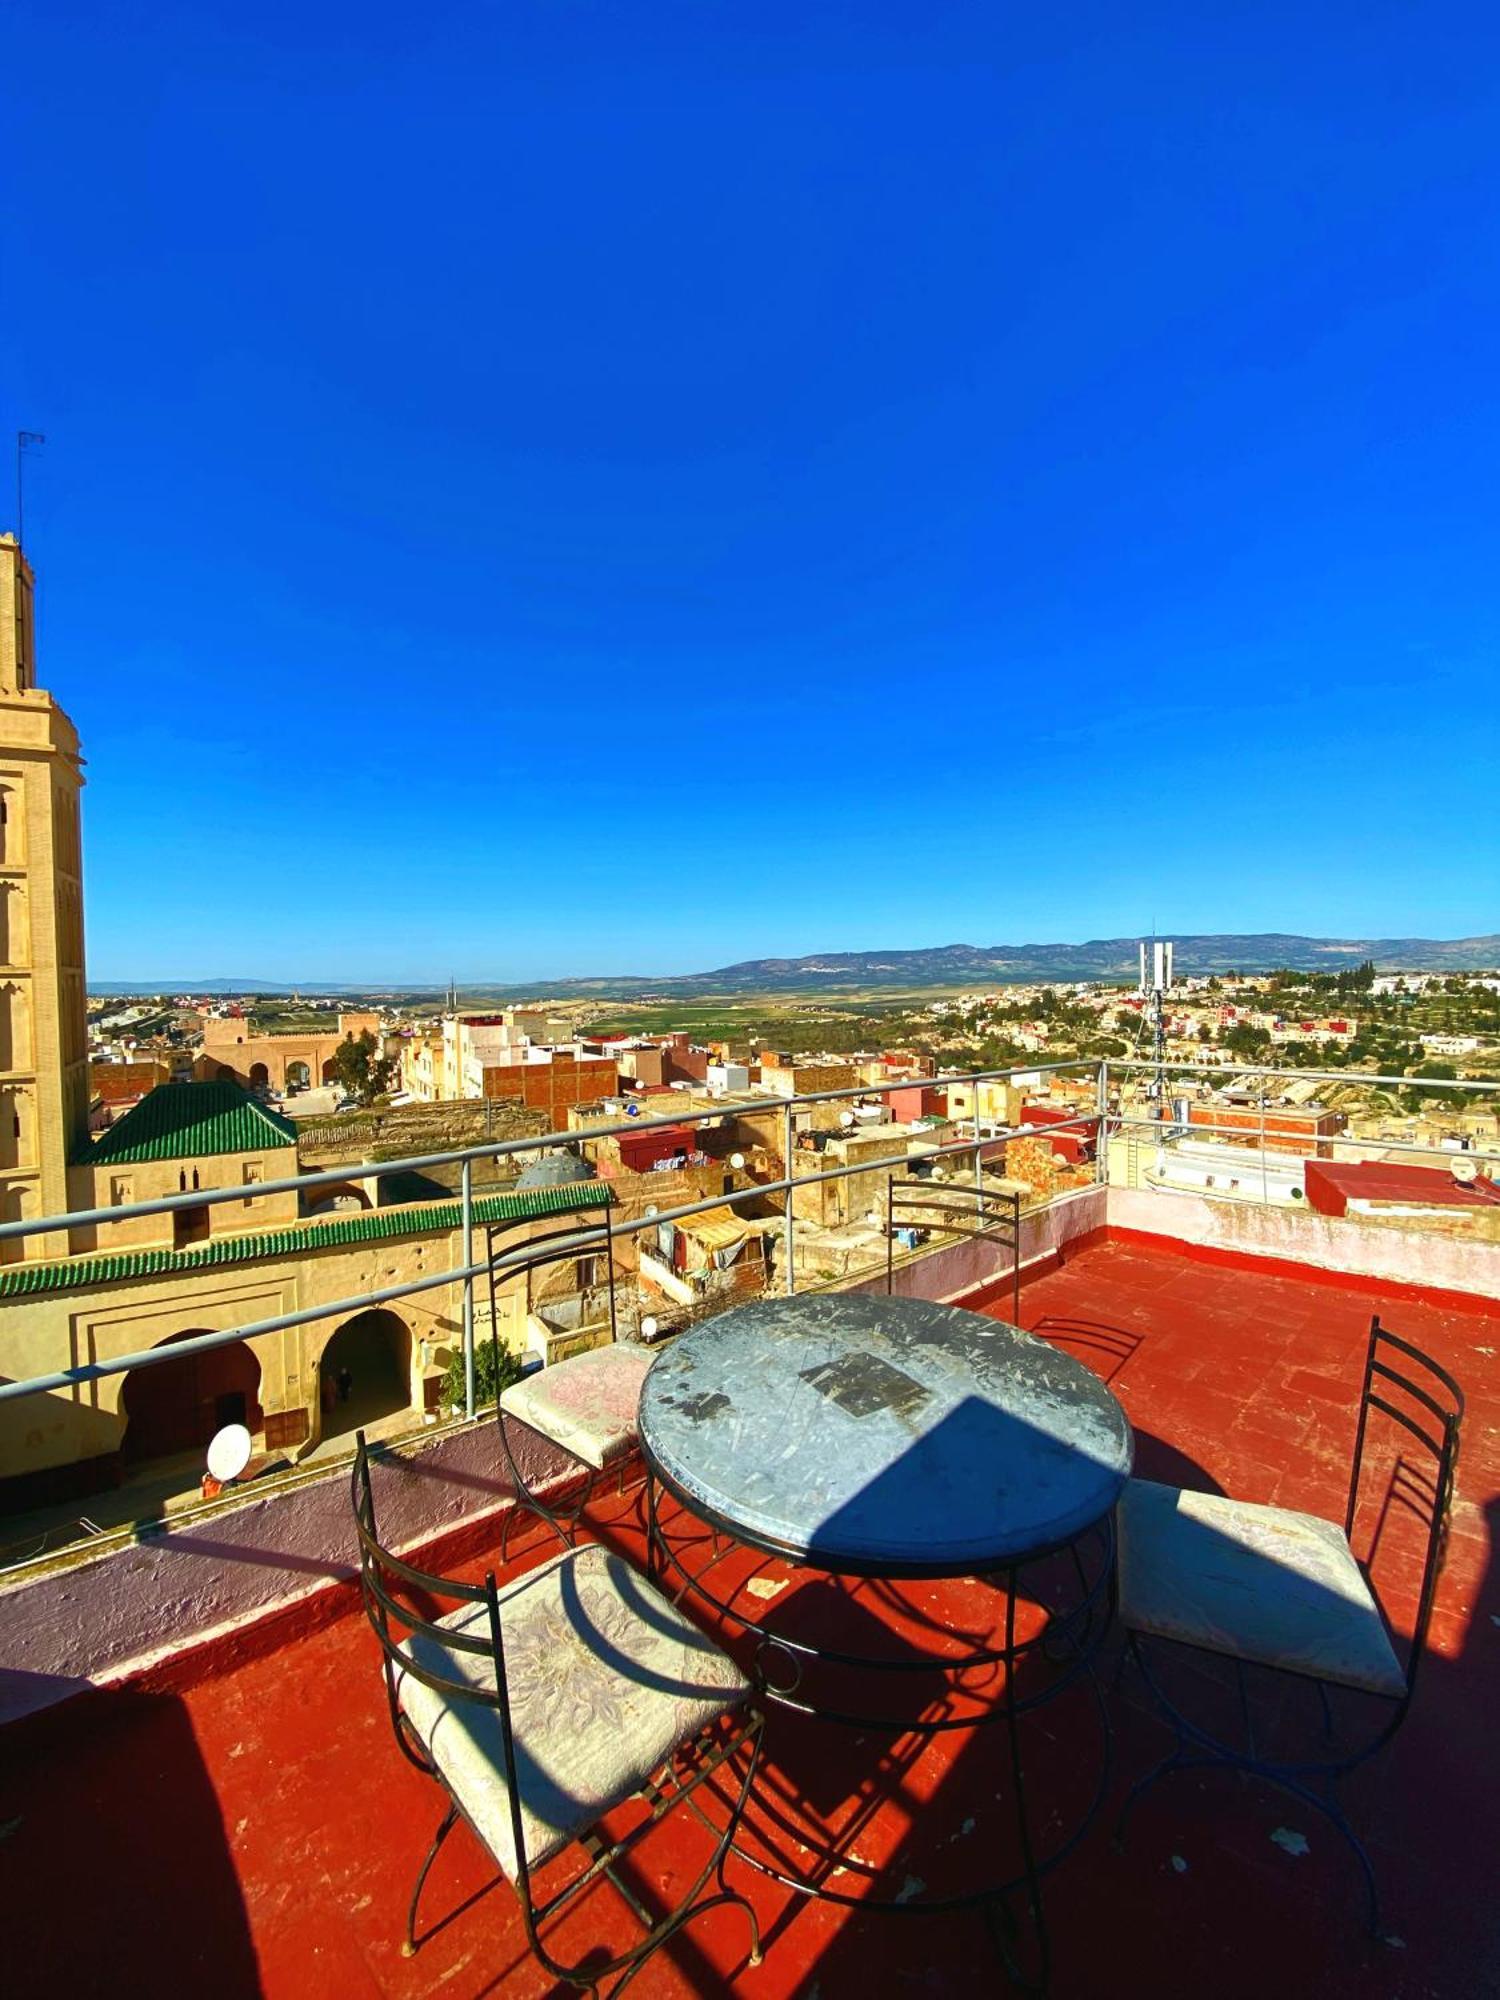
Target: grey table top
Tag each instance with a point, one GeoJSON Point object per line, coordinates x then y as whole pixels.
{"type": "Point", "coordinates": [883, 1435]}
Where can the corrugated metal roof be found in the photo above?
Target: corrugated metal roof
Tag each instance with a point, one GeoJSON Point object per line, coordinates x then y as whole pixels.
{"type": "Point", "coordinates": [179, 1121]}
{"type": "Point", "coordinates": [721, 1228]}
{"type": "Point", "coordinates": [369, 1226]}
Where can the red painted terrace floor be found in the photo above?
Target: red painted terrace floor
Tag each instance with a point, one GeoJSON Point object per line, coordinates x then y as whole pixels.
{"type": "Point", "coordinates": [258, 1832]}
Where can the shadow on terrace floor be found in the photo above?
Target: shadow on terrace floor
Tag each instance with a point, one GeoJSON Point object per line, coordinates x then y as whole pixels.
{"type": "Point", "coordinates": [118, 1871]}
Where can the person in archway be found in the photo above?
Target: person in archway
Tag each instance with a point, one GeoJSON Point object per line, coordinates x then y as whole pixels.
{"type": "Point", "coordinates": [346, 1385]}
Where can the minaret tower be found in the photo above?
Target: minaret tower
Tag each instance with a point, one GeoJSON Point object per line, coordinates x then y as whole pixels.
{"type": "Point", "coordinates": [43, 1037]}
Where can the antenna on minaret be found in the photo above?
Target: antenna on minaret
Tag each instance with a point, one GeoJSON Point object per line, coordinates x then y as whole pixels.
{"type": "Point", "coordinates": [23, 438]}
{"type": "Point", "coordinates": [452, 995]}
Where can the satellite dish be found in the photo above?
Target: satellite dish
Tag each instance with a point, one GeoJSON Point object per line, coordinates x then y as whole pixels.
{"type": "Point", "coordinates": [736, 1160]}
{"type": "Point", "coordinates": [1466, 1172]}
{"type": "Point", "coordinates": [846, 1118]}
{"type": "Point", "coordinates": [648, 1328]}
{"type": "Point", "coordinates": [229, 1453]}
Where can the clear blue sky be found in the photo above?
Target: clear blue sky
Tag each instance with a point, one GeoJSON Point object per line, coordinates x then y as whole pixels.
{"type": "Point", "coordinates": [543, 488]}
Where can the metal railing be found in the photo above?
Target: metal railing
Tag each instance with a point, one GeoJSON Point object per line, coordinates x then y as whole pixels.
{"type": "Point", "coordinates": [1100, 1123]}
{"type": "Point", "coordinates": [587, 1239]}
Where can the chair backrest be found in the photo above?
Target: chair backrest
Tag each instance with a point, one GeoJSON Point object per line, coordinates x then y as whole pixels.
{"type": "Point", "coordinates": [574, 1240]}
{"type": "Point", "coordinates": [388, 1586]}
{"type": "Point", "coordinates": [1410, 1387]}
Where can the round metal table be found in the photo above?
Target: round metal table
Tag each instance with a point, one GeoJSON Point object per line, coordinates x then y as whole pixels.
{"type": "Point", "coordinates": [879, 1438]}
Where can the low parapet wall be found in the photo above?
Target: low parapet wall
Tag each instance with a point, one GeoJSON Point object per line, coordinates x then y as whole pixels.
{"type": "Point", "coordinates": [976, 1268]}
{"type": "Point", "coordinates": [224, 1582]}
{"type": "Point", "coordinates": [1435, 1260]}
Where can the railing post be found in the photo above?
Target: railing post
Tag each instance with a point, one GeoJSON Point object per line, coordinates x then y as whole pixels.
{"type": "Point", "coordinates": [978, 1159]}
{"type": "Point", "coordinates": [786, 1154]}
{"type": "Point", "coordinates": [609, 1266]}
{"type": "Point", "coordinates": [890, 1234]}
{"type": "Point", "coordinates": [468, 1235]}
{"type": "Point", "coordinates": [1101, 1133]}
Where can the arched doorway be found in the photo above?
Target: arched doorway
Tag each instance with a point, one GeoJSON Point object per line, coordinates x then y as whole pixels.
{"type": "Point", "coordinates": [298, 1075]}
{"type": "Point", "coordinates": [365, 1372]}
{"type": "Point", "coordinates": [176, 1406]}
{"type": "Point", "coordinates": [329, 1072]}
{"type": "Point", "coordinates": [225, 1073]}
{"type": "Point", "coordinates": [260, 1076]}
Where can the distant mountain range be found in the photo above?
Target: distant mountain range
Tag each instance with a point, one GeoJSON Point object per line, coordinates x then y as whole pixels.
{"type": "Point", "coordinates": [934, 965]}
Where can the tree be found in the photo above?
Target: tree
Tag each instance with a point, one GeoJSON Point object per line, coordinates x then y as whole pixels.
{"type": "Point", "coordinates": [1245, 1039]}
{"type": "Point", "coordinates": [495, 1368]}
{"type": "Point", "coordinates": [359, 1069]}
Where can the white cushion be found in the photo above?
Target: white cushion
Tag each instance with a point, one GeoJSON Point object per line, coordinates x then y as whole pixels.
{"type": "Point", "coordinates": [589, 1405]}
{"type": "Point", "coordinates": [1258, 1583]}
{"type": "Point", "coordinates": [605, 1677]}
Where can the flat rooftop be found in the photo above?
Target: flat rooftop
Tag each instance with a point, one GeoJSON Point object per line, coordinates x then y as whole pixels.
{"type": "Point", "coordinates": [258, 1833]}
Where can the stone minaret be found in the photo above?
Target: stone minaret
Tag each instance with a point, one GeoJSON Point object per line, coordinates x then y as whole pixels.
{"type": "Point", "coordinates": [43, 1038]}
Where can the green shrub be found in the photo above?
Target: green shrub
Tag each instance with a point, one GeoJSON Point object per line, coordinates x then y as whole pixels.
{"type": "Point", "coordinates": [495, 1368]}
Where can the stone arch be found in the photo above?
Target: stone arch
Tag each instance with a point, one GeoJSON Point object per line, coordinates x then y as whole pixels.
{"type": "Point", "coordinates": [12, 827]}
{"type": "Point", "coordinates": [12, 924]}
{"type": "Point", "coordinates": [374, 1350]}
{"type": "Point", "coordinates": [176, 1406]}
{"type": "Point", "coordinates": [15, 1027]}
{"type": "Point", "coordinates": [224, 1073]}
{"type": "Point", "coordinates": [297, 1072]}
{"type": "Point", "coordinates": [328, 1071]}
{"type": "Point", "coordinates": [15, 1206]}
{"type": "Point", "coordinates": [16, 1136]}
{"type": "Point", "coordinates": [338, 1198]}
{"type": "Point", "coordinates": [260, 1076]}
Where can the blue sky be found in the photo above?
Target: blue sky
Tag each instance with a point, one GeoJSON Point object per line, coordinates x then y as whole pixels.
{"type": "Point", "coordinates": [551, 488]}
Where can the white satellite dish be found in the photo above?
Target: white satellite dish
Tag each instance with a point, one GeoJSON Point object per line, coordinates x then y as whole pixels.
{"type": "Point", "coordinates": [648, 1328]}
{"type": "Point", "coordinates": [229, 1453]}
{"type": "Point", "coordinates": [846, 1118]}
{"type": "Point", "coordinates": [737, 1160]}
{"type": "Point", "coordinates": [1466, 1172]}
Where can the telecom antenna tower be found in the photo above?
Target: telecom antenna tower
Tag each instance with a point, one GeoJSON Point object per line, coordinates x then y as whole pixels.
{"type": "Point", "coordinates": [1154, 992]}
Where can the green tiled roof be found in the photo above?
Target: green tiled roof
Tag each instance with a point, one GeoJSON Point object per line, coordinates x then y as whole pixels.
{"type": "Point", "coordinates": [374, 1225]}
{"type": "Point", "coordinates": [179, 1121]}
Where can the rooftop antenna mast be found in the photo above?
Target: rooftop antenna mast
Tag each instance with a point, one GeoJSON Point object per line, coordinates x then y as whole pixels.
{"type": "Point", "coordinates": [23, 439]}
{"type": "Point", "coordinates": [1154, 991]}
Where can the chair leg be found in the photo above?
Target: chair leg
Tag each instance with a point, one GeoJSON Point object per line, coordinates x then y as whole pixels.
{"type": "Point", "coordinates": [450, 1819]}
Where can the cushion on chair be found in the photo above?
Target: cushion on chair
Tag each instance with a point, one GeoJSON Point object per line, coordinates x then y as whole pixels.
{"type": "Point", "coordinates": [606, 1678]}
{"type": "Point", "coordinates": [1258, 1583]}
{"type": "Point", "coordinates": [589, 1405]}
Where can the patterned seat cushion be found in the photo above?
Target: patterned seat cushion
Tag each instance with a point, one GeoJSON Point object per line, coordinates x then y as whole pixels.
{"type": "Point", "coordinates": [589, 1405]}
{"type": "Point", "coordinates": [605, 1677]}
{"type": "Point", "coordinates": [1258, 1583]}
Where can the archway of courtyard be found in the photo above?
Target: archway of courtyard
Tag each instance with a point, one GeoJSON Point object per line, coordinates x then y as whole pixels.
{"type": "Point", "coordinates": [364, 1373]}
{"type": "Point", "coordinates": [329, 1073]}
{"type": "Point", "coordinates": [176, 1406]}
{"type": "Point", "coordinates": [260, 1076]}
{"type": "Point", "coordinates": [297, 1072]}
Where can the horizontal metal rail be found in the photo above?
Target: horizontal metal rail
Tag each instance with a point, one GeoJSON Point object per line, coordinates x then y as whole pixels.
{"type": "Point", "coordinates": [1253, 1066]}
{"type": "Point", "coordinates": [494, 1149]}
{"type": "Point", "coordinates": [1256, 1136]}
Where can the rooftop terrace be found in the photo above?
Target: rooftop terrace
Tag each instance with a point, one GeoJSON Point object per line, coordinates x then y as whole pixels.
{"type": "Point", "coordinates": [237, 1819]}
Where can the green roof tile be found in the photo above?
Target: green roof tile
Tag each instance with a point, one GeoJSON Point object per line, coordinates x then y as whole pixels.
{"type": "Point", "coordinates": [369, 1226]}
{"type": "Point", "coordinates": [179, 1121]}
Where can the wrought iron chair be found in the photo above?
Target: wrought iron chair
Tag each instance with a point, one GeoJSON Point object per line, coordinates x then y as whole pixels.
{"type": "Point", "coordinates": [586, 1407]}
{"type": "Point", "coordinates": [1285, 1592]}
{"type": "Point", "coordinates": [541, 1706]}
